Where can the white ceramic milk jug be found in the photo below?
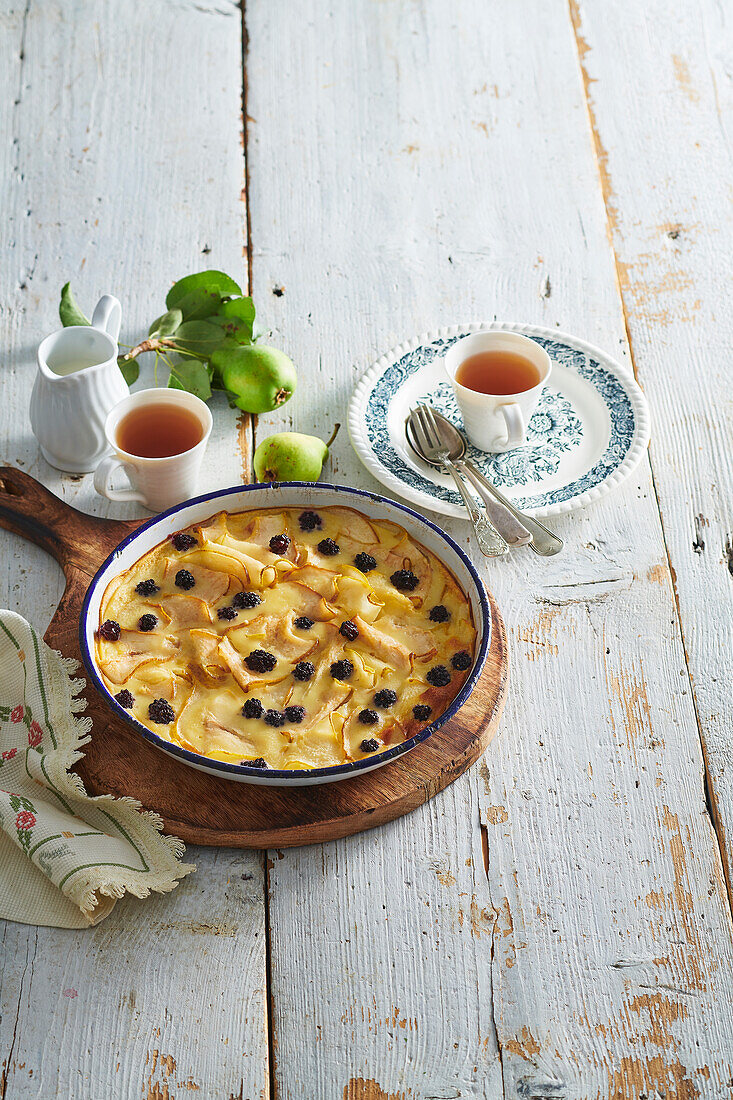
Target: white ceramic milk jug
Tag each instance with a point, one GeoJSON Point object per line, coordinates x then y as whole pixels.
{"type": "Point", "coordinates": [77, 383]}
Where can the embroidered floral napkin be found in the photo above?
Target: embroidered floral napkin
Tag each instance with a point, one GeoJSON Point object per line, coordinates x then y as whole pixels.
{"type": "Point", "coordinates": [65, 858]}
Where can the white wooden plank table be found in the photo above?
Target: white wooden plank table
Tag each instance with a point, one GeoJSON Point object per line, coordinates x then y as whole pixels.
{"type": "Point", "coordinates": [557, 924]}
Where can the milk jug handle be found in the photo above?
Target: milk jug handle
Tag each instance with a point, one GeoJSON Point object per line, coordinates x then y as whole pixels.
{"type": "Point", "coordinates": [107, 316]}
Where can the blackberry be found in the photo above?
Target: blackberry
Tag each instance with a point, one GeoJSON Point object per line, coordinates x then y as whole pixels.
{"type": "Point", "coordinates": [369, 744]}
{"type": "Point", "coordinates": [309, 521]}
{"type": "Point", "coordinates": [405, 580]}
{"type": "Point", "coordinates": [461, 661]}
{"type": "Point", "coordinates": [365, 562]}
{"type": "Point", "coordinates": [439, 614]}
{"type": "Point", "coordinates": [342, 670]}
{"type": "Point", "coordinates": [258, 762]}
{"type": "Point", "coordinates": [147, 622]}
{"type": "Point", "coordinates": [184, 579]}
{"type": "Point", "coordinates": [226, 613]}
{"type": "Point", "coordinates": [110, 630]}
{"type": "Point", "coordinates": [368, 717]}
{"type": "Point", "coordinates": [260, 660]}
{"type": "Point", "coordinates": [279, 544]}
{"type": "Point", "coordinates": [349, 630]}
{"type": "Point", "coordinates": [295, 714]}
{"type": "Point", "coordinates": [439, 676]}
{"type": "Point", "coordinates": [329, 548]}
{"type": "Point", "coordinates": [244, 600]}
{"type": "Point", "coordinates": [161, 712]}
{"type": "Point", "coordinates": [125, 698]}
{"type": "Point", "coordinates": [274, 718]}
{"type": "Point", "coordinates": [385, 698]}
{"type": "Point", "coordinates": [303, 670]}
{"type": "Point", "coordinates": [422, 712]}
{"type": "Point", "coordinates": [252, 709]}
{"type": "Point", "coordinates": [182, 541]}
{"type": "Point", "coordinates": [303, 622]}
{"type": "Point", "coordinates": [147, 588]}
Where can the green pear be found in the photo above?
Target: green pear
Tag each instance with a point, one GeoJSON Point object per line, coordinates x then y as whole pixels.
{"type": "Point", "coordinates": [261, 378]}
{"type": "Point", "coordinates": [290, 456]}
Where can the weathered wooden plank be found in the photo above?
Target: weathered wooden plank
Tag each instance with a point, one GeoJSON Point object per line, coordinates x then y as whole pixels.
{"type": "Point", "coordinates": [154, 1002]}
{"type": "Point", "coordinates": [430, 169]}
{"type": "Point", "coordinates": [665, 175]}
{"type": "Point", "coordinates": [124, 173]}
{"type": "Point", "coordinates": [122, 178]}
{"type": "Point", "coordinates": [379, 945]}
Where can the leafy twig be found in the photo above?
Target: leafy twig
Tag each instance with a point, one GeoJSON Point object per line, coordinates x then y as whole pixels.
{"type": "Point", "coordinates": [207, 325]}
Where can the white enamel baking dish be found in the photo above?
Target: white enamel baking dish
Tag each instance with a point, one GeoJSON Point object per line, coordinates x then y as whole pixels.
{"type": "Point", "coordinates": [287, 495]}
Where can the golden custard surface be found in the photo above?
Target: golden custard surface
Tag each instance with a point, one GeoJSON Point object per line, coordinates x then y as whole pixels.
{"type": "Point", "coordinates": [197, 661]}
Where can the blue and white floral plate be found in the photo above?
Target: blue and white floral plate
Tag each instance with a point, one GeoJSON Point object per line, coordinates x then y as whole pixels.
{"type": "Point", "coordinates": [589, 431]}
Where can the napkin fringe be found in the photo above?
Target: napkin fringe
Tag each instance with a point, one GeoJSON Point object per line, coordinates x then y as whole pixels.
{"type": "Point", "coordinates": [88, 893]}
{"type": "Point", "coordinates": [137, 883]}
{"type": "Point", "coordinates": [83, 727]}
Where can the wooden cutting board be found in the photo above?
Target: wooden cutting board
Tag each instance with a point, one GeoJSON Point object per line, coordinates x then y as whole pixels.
{"type": "Point", "coordinates": [200, 808]}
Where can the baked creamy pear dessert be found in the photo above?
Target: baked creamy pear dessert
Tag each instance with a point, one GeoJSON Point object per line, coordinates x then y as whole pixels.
{"type": "Point", "coordinates": [287, 639]}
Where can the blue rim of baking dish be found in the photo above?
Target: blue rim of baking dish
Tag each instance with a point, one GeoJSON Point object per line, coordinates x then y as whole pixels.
{"type": "Point", "coordinates": [272, 774]}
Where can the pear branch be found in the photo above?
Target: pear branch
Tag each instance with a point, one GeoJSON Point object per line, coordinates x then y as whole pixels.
{"type": "Point", "coordinates": [146, 345]}
{"type": "Point", "coordinates": [154, 344]}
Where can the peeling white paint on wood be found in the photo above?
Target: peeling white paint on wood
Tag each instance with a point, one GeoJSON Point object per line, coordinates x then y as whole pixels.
{"type": "Point", "coordinates": [124, 173]}
{"type": "Point", "coordinates": [166, 996]}
{"type": "Point", "coordinates": [672, 239]}
{"type": "Point", "coordinates": [450, 174]}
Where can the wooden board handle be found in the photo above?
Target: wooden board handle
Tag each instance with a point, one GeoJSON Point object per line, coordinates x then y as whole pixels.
{"type": "Point", "coordinates": [73, 538]}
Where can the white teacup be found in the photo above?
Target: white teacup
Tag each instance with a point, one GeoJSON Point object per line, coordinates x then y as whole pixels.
{"type": "Point", "coordinates": [497, 422]}
{"type": "Point", "coordinates": [158, 483]}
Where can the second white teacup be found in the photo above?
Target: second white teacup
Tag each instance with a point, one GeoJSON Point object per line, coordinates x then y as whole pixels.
{"type": "Point", "coordinates": [498, 422]}
{"type": "Point", "coordinates": [158, 480]}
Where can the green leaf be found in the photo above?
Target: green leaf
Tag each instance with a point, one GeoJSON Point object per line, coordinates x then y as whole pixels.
{"type": "Point", "coordinates": [166, 324]}
{"type": "Point", "coordinates": [197, 305]}
{"type": "Point", "coordinates": [191, 375]}
{"type": "Point", "coordinates": [233, 332]}
{"type": "Point", "coordinates": [198, 337]}
{"type": "Point", "coordinates": [130, 369]}
{"type": "Point", "coordinates": [69, 311]}
{"type": "Point", "coordinates": [243, 308]}
{"type": "Point", "coordinates": [236, 319]}
{"type": "Point", "coordinates": [209, 282]}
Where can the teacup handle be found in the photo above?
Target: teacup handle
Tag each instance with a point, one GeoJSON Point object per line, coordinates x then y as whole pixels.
{"type": "Point", "coordinates": [107, 316]}
{"type": "Point", "coordinates": [103, 473]}
{"type": "Point", "coordinates": [515, 428]}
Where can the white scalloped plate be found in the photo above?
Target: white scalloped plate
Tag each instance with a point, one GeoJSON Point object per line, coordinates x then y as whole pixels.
{"type": "Point", "coordinates": [590, 430]}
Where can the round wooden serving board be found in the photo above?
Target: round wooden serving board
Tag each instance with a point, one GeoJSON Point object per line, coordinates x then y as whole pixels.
{"type": "Point", "coordinates": [200, 808]}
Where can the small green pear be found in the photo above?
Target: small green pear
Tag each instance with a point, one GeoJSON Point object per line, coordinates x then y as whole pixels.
{"type": "Point", "coordinates": [290, 456]}
{"type": "Point", "coordinates": [262, 378]}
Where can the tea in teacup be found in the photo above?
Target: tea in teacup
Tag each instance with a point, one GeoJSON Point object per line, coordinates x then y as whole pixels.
{"type": "Point", "coordinates": [499, 372]}
{"type": "Point", "coordinates": [159, 430]}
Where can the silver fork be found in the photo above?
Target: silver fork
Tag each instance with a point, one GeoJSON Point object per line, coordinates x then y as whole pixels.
{"type": "Point", "coordinates": [428, 439]}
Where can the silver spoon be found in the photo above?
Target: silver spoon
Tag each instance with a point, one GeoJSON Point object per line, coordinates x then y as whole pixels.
{"type": "Point", "coordinates": [509, 528]}
{"type": "Point", "coordinates": [543, 542]}
{"type": "Point", "coordinates": [429, 442]}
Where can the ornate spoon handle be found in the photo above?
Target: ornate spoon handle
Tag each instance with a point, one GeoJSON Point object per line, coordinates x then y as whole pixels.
{"type": "Point", "coordinates": [515, 533]}
{"type": "Point", "coordinates": [543, 542]}
{"type": "Point", "coordinates": [491, 544]}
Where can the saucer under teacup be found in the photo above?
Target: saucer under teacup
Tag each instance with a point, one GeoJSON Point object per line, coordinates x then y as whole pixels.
{"type": "Point", "coordinates": [589, 431]}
